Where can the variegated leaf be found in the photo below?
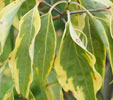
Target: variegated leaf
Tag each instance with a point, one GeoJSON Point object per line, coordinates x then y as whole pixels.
{"type": "Point", "coordinates": [95, 46]}
{"type": "Point", "coordinates": [104, 32]}
{"type": "Point", "coordinates": [75, 67]}
{"type": "Point", "coordinates": [106, 37]}
{"type": "Point", "coordinates": [7, 15]}
{"type": "Point", "coordinates": [44, 48]}
{"type": "Point", "coordinates": [26, 6]}
{"type": "Point", "coordinates": [20, 59]}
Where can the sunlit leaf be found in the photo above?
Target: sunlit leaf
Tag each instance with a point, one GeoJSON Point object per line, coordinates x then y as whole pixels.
{"type": "Point", "coordinates": [44, 48]}
{"type": "Point", "coordinates": [20, 59]}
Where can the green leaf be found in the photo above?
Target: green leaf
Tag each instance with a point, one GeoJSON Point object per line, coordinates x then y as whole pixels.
{"type": "Point", "coordinates": [44, 48]}
{"type": "Point", "coordinates": [31, 96]}
{"type": "Point", "coordinates": [94, 4]}
{"type": "Point", "coordinates": [109, 40]}
{"type": "Point", "coordinates": [7, 15]}
{"type": "Point", "coordinates": [104, 32]}
{"type": "Point", "coordinates": [5, 80]}
{"type": "Point", "coordinates": [9, 95]}
{"type": "Point", "coordinates": [26, 6]}
{"type": "Point", "coordinates": [40, 92]}
{"type": "Point", "coordinates": [74, 66]}
{"type": "Point", "coordinates": [45, 93]}
{"type": "Point", "coordinates": [21, 59]}
{"type": "Point", "coordinates": [7, 48]}
{"type": "Point", "coordinates": [3, 3]}
{"type": "Point", "coordinates": [95, 46]}
{"type": "Point", "coordinates": [55, 86]}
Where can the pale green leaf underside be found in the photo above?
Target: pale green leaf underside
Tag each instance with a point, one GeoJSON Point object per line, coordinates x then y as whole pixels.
{"type": "Point", "coordinates": [44, 48]}
{"type": "Point", "coordinates": [20, 59]}
{"type": "Point", "coordinates": [7, 15]}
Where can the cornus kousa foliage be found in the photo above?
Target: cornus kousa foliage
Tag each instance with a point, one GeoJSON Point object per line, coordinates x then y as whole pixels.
{"type": "Point", "coordinates": [55, 49]}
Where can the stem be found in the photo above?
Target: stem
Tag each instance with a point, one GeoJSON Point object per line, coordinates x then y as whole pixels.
{"type": "Point", "coordinates": [58, 11]}
{"type": "Point", "coordinates": [90, 10]}
{"type": "Point", "coordinates": [73, 12]}
{"type": "Point", "coordinates": [56, 17]}
{"type": "Point", "coordinates": [78, 2]}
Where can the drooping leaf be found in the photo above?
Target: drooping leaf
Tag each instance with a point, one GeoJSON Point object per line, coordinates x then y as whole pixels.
{"type": "Point", "coordinates": [9, 94]}
{"type": "Point", "coordinates": [7, 15]}
{"type": "Point", "coordinates": [95, 46]}
{"type": "Point", "coordinates": [75, 67]}
{"type": "Point", "coordinates": [55, 86]}
{"type": "Point", "coordinates": [44, 48]}
{"type": "Point", "coordinates": [101, 4]}
{"type": "Point", "coordinates": [20, 59]}
{"type": "Point", "coordinates": [104, 33]}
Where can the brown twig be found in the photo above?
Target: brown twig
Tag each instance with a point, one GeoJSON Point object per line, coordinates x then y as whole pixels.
{"type": "Point", "coordinates": [90, 10]}
{"type": "Point", "coordinates": [55, 9]}
{"type": "Point", "coordinates": [61, 14]}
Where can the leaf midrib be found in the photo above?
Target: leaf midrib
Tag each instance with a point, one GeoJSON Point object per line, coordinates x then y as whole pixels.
{"type": "Point", "coordinates": [45, 47]}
